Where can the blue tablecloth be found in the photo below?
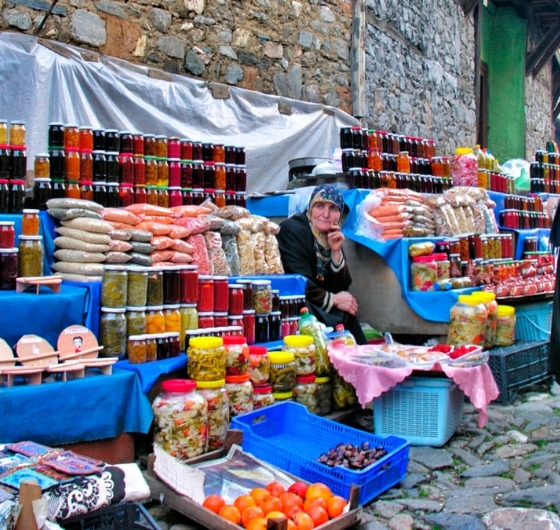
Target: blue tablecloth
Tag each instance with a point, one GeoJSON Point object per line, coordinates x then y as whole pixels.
{"type": "Point", "coordinates": [287, 284]}
{"type": "Point", "coordinates": [45, 314]}
{"type": "Point", "coordinates": [149, 373]}
{"type": "Point", "coordinates": [80, 410]}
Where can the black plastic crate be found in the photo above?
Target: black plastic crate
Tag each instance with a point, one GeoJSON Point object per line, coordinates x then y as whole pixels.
{"type": "Point", "coordinates": [125, 516]}
{"type": "Point", "coordinates": [518, 366]}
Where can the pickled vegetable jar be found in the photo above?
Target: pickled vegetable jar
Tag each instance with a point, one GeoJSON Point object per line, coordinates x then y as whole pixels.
{"type": "Point", "coordinates": [303, 348]}
{"type": "Point", "coordinates": [282, 371]}
{"type": "Point", "coordinates": [137, 287]}
{"type": "Point", "coordinates": [324, 395]}
{"type": "Point", "coordinates": [259, 365]}
{"type": "Point", "coordinates": [464, 167]}
{"type": "Point", "coordinates": [112, 330]}
{"type": "Point", "coordinates": [343, 393]}
{"type": "Point", "coordinates": [218, 411]}
{"type": "Point", "coordinates": [30, 262]}
{"type": "Point", "coordinates": [240, 392]}
{"type": "Point", "coordinates": [189, 320]}
{"type": "Point", "coordinates": [261, 296]}
{"type": "Point", "coordinates": [305, 392]}
{"type": "Point", "coordinates": [237, 355]}
{"type": "Point", "coordinates": [489, 301]}
{"type": "Point", "coordinates": [262, 396]}
{"type": "Point", "coordinates": [206, 358]}
{"type": "Point", "coordinates": [424, 273]}
{"type": "Point", "coordinates": [467, 322]}
{"type": "Point", "coordinates": [505, 329]}
{"type": "Point", "coordinates": [155, 287]}
{"type": "Point", "coordinates": [114, 286]}
{"type": "Point", "coordinates": [181, 418]}
{"type": "Point", "coordinates": [135, 320]}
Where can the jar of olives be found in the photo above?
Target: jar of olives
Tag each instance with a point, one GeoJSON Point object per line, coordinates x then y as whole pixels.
{"type": "Point", "coordinates": [206, 358]}
{"type": "Point", "coordinates": [218, 411]}
{"type": "Point", "coordinates": [282, 371]}
{"type": "Point", "coordinates": [112, 330]}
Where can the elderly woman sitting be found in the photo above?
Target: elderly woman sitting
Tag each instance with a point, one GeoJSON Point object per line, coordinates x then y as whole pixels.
{"type": "Point", "coordinates": [311, 245]}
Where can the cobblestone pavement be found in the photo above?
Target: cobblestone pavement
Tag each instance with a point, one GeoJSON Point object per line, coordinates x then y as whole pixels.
{"type": "Point", "coordinates": [503, 476]}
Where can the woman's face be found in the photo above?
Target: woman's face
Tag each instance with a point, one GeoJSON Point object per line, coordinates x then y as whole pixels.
{"type": "Point", "coordinates": [324, 215]}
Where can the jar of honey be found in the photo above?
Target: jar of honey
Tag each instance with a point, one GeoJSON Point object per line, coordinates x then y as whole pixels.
{"type": "Point", "coordinates": [30, 223]}
{"type": "Point", "coordinates": [42, 166]}
{"type": "Point", "coordinates": [17, 133]}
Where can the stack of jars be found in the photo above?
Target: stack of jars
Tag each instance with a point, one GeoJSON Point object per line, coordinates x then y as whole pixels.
{"type": "Point", "coordinates": [13, 166]}
{"type": "Point", "coordinates": [290, 307]}
{"type": "Point", "coordinates": [8, 256]}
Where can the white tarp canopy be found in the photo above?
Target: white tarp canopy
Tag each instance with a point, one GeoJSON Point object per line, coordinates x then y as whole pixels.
{"type": "Point", "coordinates": [41, 85]}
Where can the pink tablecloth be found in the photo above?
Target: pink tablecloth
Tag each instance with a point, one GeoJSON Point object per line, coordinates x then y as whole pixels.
{"type": "Point", "coordinates": [370, 382]}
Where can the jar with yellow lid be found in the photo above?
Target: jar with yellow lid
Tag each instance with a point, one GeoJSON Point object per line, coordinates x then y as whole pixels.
{"type": "Point", "coordinates": [237, 355]}
{"type": "Point", "coordinates": [505, 329]}
{"type": "Point", "coordinates": [218, 411]}
{"type": "Point", "coordinates": [303, 348]}
{"type": "Point", "coordinates": [206, 358]}
{"type": "Point", "coordinates": [136, 349]}
{"type": "Point", "coordinates": [262, 396]}
{"type": "Point", "coordinates": [280, 397]}
{"type": "Point", "coordinates": [282, 371]}
{"type": "Point", "coordinates": [240, 392]}
{"type": "Point", "coordinates": [180, 419]}
{"type": "Point", "coordinates": [467, 323]}
{"type": "Point", "coordinates": [112, 330]}
{"type": "Point", "coordinates": [259, 365]}
{"type": "Point", "coordinates": [489, 301]}
{"type": "Point", "coordinates": [114, 286]}
{"type": "Point", "coordinates": [324, 395]}
{"type": "Point", "coordinates": [464, 167]}
{"type": "Point", "coordinates": [305, 392]}
{"type": "Point", "coordinates": [30, 262]}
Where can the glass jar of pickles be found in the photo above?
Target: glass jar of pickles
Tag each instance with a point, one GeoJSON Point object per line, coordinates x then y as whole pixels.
{"type": "Point", "coordinates": [218, 411]}
{"type": "Point", "coordinates": [324, 395]}
{"type": "Point", "coordinates": [262, 396]}
{"type": "Point", "coordinates": [189, 320]}
{"type": "Point", "coordinates": [303, 348]}
{"type": "Point", "coordinates": [240, 392]}
{"type": "Point", "coordinates": [180, 419]}
{"type": "Point", "coordinates": [30, 262]}
{"type": "Point", "coordinates": [489, 301]}
{"type": "Point", "coordinates": [305, 392]}
{"type": "Point", "coordinates": [282, 371]}
{"type": "Point", "coordinates": [259, 365]}
{"type": "Point", "coordinates": [136, 349]}
{"type": "Point", "coordinates": [467, 322]}
{"type": "Point", "coordinates": [114, 286]}
{"type": "Point", "coordinates": [206, 358]}
{"type": "Point", "coordinates": [112, 330]}
{"type": "Point", "coordinates": [154, 293]}
{"type": "Point", "coordinates": [137, 286]}
{"type": "Point", "coordinates": [261, 296]}
{"type": "Point", "coordinates": [135, 320]}
{"type": "Point", "coordinates": [237, 355]}
{"type": "Point", "coordinates": [505, 329]}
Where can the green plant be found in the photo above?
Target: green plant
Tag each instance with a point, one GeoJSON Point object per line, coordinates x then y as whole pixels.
{"type": "Point", "coordinates": [507, 474]}
{"type": "Point", "coordinates": [542, 443]}
{"type": "Point", "coordinates": [533, 467]}
{"type": "Point", "coordinates": [423, 492]}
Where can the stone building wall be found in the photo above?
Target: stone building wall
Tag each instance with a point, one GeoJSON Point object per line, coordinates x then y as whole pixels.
{"type": "Point", "coordinates": [419, 55]}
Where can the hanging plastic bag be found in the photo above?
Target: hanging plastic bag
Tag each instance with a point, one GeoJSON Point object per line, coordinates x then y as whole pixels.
{"type": "Point", "coordinates": [366, 225]}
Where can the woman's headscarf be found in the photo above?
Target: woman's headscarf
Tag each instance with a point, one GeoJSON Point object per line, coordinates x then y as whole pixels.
{"type": "Point", "coordinates": [324, 193]}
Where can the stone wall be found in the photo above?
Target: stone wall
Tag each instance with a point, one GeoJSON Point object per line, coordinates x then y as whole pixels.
{"type": "Point", "coordinates": [419, 55]}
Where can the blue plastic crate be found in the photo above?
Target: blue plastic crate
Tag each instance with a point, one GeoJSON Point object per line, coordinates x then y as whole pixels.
{"type": "Point", "coordinates": [289, 437]}
{"type": "Point", "coordinates": [533, 321]}
{"type": "Point", "coordinates": [423, 410]}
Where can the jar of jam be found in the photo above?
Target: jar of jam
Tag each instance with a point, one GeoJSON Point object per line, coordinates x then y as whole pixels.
{"type": "Point", "coordinates": [181, 419]}
{"type": "Point", "coordinates": [262, 328]}
{"type": "Point", "coordinates": [235, 296]}
{"type": "Point", "coordinates": [8, 268]}
{"type": "Point", "coordinates": [7, 234]}
{"type": "Point", "coordinates": [86, 190]}
{"type": "Point", "coordinates": [172, 318]}
{"type": "Point", "coordinates": [151, 347]}
{"type": "Point", "coordinates": [155, 320]}
{"type": "Point", "coordinates": [30, 262]}
{"type": "Point", "coordinates": [135, 320]}
{"type": "Point", "coordinates": [29, 223]}
{"type": "Point", "coordinates": [274, 322]}
{"type": "Point", "coordinates": [112, 330]}
{"type": "Point", "coordinates": [100, 193]}
{"type": "Point", "coordinates": [282, 371]}
{"type": "Point", "coordinates": [206, 319]}
{"type": "Point", "coordinates": [186, 149]}
{"type": "Point", "coordinates": [174, 173]}
{"type": "Point", "coordinates": [218, 411]}
{"type": "Point", "coordinates": [72, 164]}
{"type": "Point", "coordinates": [99, 166]}
{"type": "Point", "coordinates": [42, 166]}
{"type": "Point", "coordinates": [258, 365]}
{"type": "Point", "coordinates": [220, 319]}
{"type": "Point", "coordinates": [205, 293]}
{"type": "Point", "coordinates": [57, 162]}
{"type": "Point", "coordinates": [136, 349]}
{"type": "Point", "coordinates": [206, 358]}
{"type": "Point", "coordinates": [114, 286]}
{"type": "Point", "coordinates": [240, 392]}
{"type": "Point", "coordinates": [188, 275]}
{"type": "Point", "coordinates": [221, 293]}
{"type": "Point", "coordinates": [248, 319]}
{"type": "Point", "coordinates": [161, 146]}
{"type": "Point", "coordinates": [73, 189]}
{"type": "Point", "coordinates": [171, 285]}
{"type": "Point", "coordinates": [86, 165]}
{"type": "Point", "coordinates": [305, 392]}
{"type": "Point", "coordinates": [98, 140]}
{"type": "Point", "coordinates": [174, 343]}
{"type": "Point", "coordinates": [246, 285]}
{"type": "Point", "coordinates": [262, 396]}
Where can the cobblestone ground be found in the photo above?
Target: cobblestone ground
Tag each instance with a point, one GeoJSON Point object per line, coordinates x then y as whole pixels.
{"type": "Point", "coordinates": [503, 476]}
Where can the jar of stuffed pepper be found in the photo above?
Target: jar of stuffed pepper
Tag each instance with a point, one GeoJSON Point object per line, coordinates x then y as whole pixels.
{"type": "Point", "coordinates": [237, 355]}
{"type": "Point", "coordinates": [180, 419]}
{"type": "Point", "coordinates": [206, 358]}
{"type": "Point", "coordinates": [218, 411]}
{"type": "Point", "coordinates": [240, 392]}
{"type": "Point", "coordinates": [282, 371]}
{"type": "Point", "coordinates": [303, 348]}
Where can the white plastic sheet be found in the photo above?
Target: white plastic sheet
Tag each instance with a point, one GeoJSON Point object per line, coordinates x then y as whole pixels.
{"type": "Point", "coordinates": [41, 86]}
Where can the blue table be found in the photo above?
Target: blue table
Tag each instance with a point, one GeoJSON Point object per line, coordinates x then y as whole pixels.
{"type": "Point", "coordinates": [149, 373]}
{"type": "Point", "coordinates": [93, 408]}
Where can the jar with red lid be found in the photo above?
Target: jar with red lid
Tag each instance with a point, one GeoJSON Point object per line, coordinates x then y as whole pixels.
{"type": "Point", "coordinates": [205, 293]}
{"type": "Point", "coordinates": [248, 320]}
{"type": "Point", "coordinates": [305, 392]}
{"type": "Point", "coordinates": [173, 147]}
{"type": "Point", "coordinates": [235, 296]}
{"type": "Point", "coordinates": [221, 293]}
{"type": "Point", "coordinates": [189, 284]}
{"type": "Point", "coordinates": [206, 319]}
{"type": "Point", "coordinates": [258, 365]}
{"type": "Point", "coordinates": [262, 396]}
{"type": "Point", "coordinates": [237, 354]}
{"type": "Point", "coordinates": [240, 392]}
{"type": "Point", "coordinates": [7, 234]}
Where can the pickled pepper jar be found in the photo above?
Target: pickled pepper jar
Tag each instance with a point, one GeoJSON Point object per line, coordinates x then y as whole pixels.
{"type": "Point", "coordinates": [303, 348]}
{"type": "Point", "coordinates": [114, 286]}
{"type": "Point", "coordinates": [305, 392]}
{"type": "Point", "coordinates": [180, 419]}
{"type": "Point", "coordinates": [282, 371]}
{"type": "Point", "coordinates": [262, 396]}
{"type": "Point", "coordinates": [240, 392]}
{"type": "Point", "coordinates": [206, 358]}
{"type": "Point", "coordinates": [218, 411]}
{"type": "Point", "coordinates": [467, 322]}
{"type": "Point", "coordinates": [259, 365]}
{"type": "Point", "coordinates": [237, 355]}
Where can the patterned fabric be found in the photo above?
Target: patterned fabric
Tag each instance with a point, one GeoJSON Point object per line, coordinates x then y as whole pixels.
{"type": "Point", "coordinates": [322, 193]}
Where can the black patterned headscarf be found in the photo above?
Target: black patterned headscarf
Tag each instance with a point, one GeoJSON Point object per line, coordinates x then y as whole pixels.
{"type": "Point", "coordinates": [323, 193]}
